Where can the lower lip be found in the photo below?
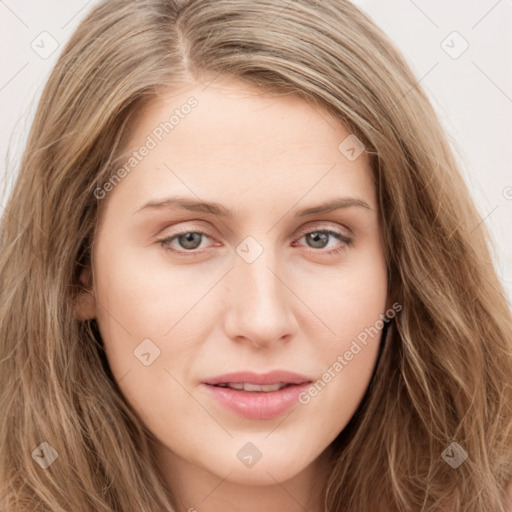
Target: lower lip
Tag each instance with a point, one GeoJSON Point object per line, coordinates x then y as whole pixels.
{"type": "Point", "coordinates": [257, 405]}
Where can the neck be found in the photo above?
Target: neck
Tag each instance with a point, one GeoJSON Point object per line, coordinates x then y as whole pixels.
{"type": "Point", "coordinates": [195, 489]}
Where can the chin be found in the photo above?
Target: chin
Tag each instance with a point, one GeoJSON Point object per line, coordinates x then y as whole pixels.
{"type": "Point", "coordinates": [258, 463]}
{"type": "Point", "coordinates": [261, 474]}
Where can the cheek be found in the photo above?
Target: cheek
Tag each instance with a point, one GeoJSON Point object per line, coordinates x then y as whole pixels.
{"type": "Point", "coordinates": [147, 322]}
{"type": "Point", "coordinates": [349, 298]}
{"type": "Point", "coordinates": [352, 305]}
{"type": "Point", "coordinates": [139, 296]}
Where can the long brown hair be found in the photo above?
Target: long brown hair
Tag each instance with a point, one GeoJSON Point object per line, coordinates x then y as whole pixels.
{"type": "Point", "coordinates": [446, 368]}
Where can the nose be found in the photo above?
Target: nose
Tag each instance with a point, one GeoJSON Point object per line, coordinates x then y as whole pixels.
{"type": "Point", "coordinates": [259, 308]}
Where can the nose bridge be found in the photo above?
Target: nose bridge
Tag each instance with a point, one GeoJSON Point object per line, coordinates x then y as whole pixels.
{"type": "Point", "coordinates": [259, 299]}
{"type": "Point", "coordinates": [258, 272]}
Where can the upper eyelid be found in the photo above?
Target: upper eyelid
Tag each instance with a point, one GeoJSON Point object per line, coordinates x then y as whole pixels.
{"type": "Point", "coordinates": [320, 227]}
{"type": "Point", "coordinates": [311, 226]}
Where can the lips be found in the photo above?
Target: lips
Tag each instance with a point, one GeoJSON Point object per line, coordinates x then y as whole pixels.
{"type": "Point", "coordinates": [274, 377]}
{"type": "Point", "coordinates": [257, 396]}
{"type": "Point", "coordinates": [253, 387]}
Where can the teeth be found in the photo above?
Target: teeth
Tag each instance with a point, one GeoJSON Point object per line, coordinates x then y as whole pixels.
{"type": "Point", "coordinates": [253, 387]}
{"type": "Point", "coordinates": [235, 385]}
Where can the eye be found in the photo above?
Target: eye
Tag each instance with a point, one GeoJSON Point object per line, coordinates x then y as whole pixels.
{"type": "Point", "coordinates": [320, 238]}
{"type": "Point", "coordinates": [190, 241]}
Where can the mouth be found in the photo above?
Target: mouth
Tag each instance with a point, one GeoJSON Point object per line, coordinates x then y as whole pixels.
{"type": "Point", "coordinates": [257, 396]}
{"type": "Point", "coordinates": [251, 388]}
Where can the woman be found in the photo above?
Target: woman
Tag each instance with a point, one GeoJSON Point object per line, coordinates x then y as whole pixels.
{"type": "Point", "coordinates": [240, 270]}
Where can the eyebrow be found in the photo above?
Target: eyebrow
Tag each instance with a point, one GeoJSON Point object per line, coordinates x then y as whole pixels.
{"type": "Point", "coordinates": [221, 211]}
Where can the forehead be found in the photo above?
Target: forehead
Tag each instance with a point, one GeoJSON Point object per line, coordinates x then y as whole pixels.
{"type": "Point", "coordinates": [241, 145]}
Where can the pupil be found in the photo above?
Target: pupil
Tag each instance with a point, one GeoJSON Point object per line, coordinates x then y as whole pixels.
{"type": "Point", "coordinates": [187, 240]}
{"type": "Point", "coordinates": [316, 237]}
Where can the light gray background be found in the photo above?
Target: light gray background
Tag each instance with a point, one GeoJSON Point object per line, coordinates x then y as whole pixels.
{"type": "Point", "coordinates": [471, 91]}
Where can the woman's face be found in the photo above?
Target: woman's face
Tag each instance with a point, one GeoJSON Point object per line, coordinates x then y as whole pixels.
{"type": "Point", "coordinates": [280, 285]}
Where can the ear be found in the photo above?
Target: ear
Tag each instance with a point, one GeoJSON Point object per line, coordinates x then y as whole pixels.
{"type": "Point", "coordinates": [85, 303]}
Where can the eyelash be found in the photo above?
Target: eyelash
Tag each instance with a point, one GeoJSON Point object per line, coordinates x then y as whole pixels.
{"type": "Point", "coordinates": [336, 234]}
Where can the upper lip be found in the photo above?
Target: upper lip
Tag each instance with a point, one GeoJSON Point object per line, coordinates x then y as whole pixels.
{"type": "Point", "coordinates": [273, 377]}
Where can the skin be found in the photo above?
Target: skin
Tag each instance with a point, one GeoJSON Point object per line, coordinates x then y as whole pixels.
{"type": "Point", "coordinates": [295, 307]}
